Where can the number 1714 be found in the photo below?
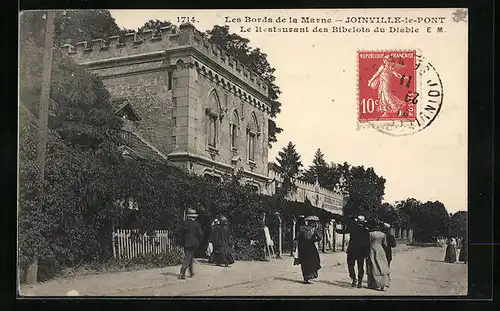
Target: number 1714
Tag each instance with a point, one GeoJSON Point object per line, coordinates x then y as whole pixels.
{"type": "Point", "coordinates": [186, 19]}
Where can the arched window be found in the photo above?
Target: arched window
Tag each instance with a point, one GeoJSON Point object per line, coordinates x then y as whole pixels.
{"type": "Point", "coordinates": [234, 125]}
{"type": "Point", "coordinates": [212, 114]}
{"type": "Point", "coordinates": [252, 133]}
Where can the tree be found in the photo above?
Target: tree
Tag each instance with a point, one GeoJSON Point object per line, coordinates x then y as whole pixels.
{"type": "Point", "coordinates": [458, 224]}
{"type": "Point", "coordinates": [72, 26]}
{"type": "Point", "coordinates": [153, 25]}
{"type": "Point", "coordinates": [256, 61]}
{"type": "Point", "coordinates": [319, 170]}
{"type": "Point", "coordinates": [428, 220]}
{"type": "Point", "coordinates": [289, 167]}
{"type": "Point", "coordinates": [80, 106]}
{"type": "Point", "coordinates": [366, 191]}
{"type": "Point", "coordinates": [78, 192]}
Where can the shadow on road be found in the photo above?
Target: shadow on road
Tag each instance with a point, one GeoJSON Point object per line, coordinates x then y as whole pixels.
{"type": "Point", "coordinates": [170, 273]}
{"type": "Point", "coordinates": [343, 284]}
{"type": "Point", "coordinates": [433, 260]}
{"type": "Point", "coordinates": [289, 280]}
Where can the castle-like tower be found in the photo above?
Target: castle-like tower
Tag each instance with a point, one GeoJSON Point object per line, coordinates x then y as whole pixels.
{"type": "Point", "coordinates": [186, 100]}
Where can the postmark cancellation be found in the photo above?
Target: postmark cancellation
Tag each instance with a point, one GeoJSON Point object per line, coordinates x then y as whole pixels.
{"type": "Point", "coordinates": [399, 92]}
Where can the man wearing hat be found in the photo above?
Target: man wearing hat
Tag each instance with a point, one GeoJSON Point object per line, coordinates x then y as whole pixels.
{"type": "Point", "coordinates": [358, 248]}
{"type": "Point", "coordinates": [391, 242]}
{"type": "Point", "coordinates": [191, 237]}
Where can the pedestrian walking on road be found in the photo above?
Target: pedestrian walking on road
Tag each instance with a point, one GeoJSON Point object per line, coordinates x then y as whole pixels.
{"type": "Point", "coordinates": [358, 247]}
{"type": "Point", "coordinates": [391, 243]}
{"type": "Point", "coordinates": [451, 251]}
{"type": "Point", "coordinates": [222, 243]}
{"type": "Point", "coordinates": [210, 248]}
{"type": "Point", "coordinates": [308, 255]}
{"type": "Point", "coordinates": [463, 251]}
{"type": "Point", "coordinates": [191, 236]}
{"type": "Point", "coordinates": [377, 268]}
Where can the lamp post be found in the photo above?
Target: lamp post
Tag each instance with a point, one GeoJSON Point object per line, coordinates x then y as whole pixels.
{"type": "Point", "coordinates": [279, 234]}
{"type": "Point", "coordinates": [294, 224]}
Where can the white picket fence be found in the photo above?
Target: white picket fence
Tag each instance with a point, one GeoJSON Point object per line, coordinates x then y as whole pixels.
{"type": "Point", "coordinates": [125, 245]}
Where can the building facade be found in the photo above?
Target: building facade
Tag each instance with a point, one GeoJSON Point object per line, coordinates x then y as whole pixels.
{"type": "Point", "coordinates": [185, 100]}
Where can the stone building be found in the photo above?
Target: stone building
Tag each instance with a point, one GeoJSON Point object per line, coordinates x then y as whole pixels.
{"type": "Point", "coordinates": [185, 100]}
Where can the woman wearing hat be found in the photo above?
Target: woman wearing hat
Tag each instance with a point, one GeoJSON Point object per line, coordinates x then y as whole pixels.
{"type": "Point", "coordinates": [451, 251]}
{"type": "Point", "coordinates": [308, 255]}
{"type": "Point", "coordinates": [222, 242]}
{"type": "Point", "coordinates": [377, 268]}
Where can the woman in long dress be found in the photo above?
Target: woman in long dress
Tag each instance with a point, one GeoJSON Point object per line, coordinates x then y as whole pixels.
{"type": "Point", "coordinates": [451, 251]}
{"type": "Point", "coordinates": [377, 268]}
{"type": "Point", "coordinates": [381, 80]}
{"type": "Point", "coordinates": [222, 242]}
{"type": "Point", "coordinates": [308, 256]}
{"type": "Point", "coordinates": [213, 226]}
{"type": "Point", "coordinates": [463, 251]}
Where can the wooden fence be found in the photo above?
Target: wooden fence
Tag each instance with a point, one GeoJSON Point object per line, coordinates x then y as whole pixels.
{"type": "Point", "coordinates": [129, 243]}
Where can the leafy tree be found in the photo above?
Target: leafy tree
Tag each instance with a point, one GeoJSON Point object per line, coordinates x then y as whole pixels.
{"type": "Point", "coordinates": [74, 26]}
{"type": "Point", "coordinates": [318, 170]}
{"type": "Point", "coordinates": [153, 25]}
{"type": "Point", "coordinates": [366, 191]}
{"type": "Point", "coordinates": [428, 220]}
{"type": "Point", "coordinates": [65, 223]}
{"type": "Point", "coordinates": [289, 167]}
{"type": "Point", "coordinates": [458, 224]}
{"type": "Point", "coordinates": [70, 26]}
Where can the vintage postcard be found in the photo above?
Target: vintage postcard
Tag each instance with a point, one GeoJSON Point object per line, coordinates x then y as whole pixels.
{"type": "Point", "coordinates": [318, 152]}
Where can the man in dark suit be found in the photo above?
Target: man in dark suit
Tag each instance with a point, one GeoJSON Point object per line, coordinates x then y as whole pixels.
{"type": "Point", "coordinates": [358, 248]}
{"type": "Point", "coordinates": [391, 242]}
{"type": "Point", "coordinates": [191, 237]}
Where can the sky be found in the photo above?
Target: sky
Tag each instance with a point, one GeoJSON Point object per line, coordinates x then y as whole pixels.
{"type": "Point", "coordinates": [317, 74]}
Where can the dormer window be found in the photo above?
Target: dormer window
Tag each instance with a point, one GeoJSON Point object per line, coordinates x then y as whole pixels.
{"type": "Point", "coordinates": [127, 111]}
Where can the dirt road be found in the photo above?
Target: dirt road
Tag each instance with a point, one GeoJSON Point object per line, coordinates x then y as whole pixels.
{"type": "Point", "coordinates": [417, 271]}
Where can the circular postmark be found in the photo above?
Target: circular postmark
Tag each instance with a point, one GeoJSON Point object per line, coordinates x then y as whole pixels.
{"type": "Point", "coordinates": [427, 101]}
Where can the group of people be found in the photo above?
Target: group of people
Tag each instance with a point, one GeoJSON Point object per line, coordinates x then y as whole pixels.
{"type": "Point", "coordinates": [451, 250]}
{"type": "Point", "coordinates": [220, 242]}
{"type": "Point", "coordinates": [370, 242]}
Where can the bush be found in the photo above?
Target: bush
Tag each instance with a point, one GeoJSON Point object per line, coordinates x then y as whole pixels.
{"type": "Point", "coordinates": [244, 251]}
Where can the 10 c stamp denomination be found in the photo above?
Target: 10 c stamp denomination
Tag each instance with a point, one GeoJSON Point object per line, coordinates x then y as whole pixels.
{"type": "Point", "coordinates": [399, 92]}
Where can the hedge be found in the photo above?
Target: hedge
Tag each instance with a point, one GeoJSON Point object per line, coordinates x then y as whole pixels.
{"type": "Point", "coordinates": [70, 224]}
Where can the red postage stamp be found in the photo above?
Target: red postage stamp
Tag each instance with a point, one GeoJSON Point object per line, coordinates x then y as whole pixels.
{"type": "Point", "coordinates": [387, 86]}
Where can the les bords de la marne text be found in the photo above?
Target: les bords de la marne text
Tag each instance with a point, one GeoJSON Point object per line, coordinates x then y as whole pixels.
{"type": "Point", "coordinates": [351, 24]}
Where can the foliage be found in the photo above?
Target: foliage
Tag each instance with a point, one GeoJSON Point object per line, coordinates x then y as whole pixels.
{"type": "Point", "coordinates": [366, 191]}
{"type": "Point", "coordinates": [72, 26]}
{"type": "Point", "coordinates": [458, 224]}
{"type": "Point", "coordinates": [289, 167]}
{"type": "Point", "coordinates": [153, 25]}
{"type": "Point", "coordinates": [243, 250]}
{"type": "Point", "coordinates": [318, 170]}
{"type": "Point", "coordinates": [428, 220]}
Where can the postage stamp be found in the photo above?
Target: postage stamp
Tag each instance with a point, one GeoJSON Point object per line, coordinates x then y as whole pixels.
{"type": "Point", "coordinates": [387, 87]}
{"type": "Point", "coordinates": [399, 91]}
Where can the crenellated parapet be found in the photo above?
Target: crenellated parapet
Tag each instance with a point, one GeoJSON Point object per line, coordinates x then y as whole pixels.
{"type": "Point", "coordinates": [170, 38]}
{"type": "Point", "coordinates": [328, 199]}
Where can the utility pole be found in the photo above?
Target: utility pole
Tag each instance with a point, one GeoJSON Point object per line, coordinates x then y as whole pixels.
{"type": "Point", "coordinates": [32, 272]}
